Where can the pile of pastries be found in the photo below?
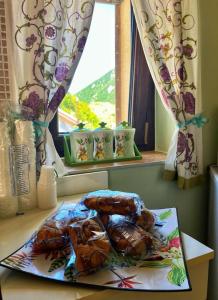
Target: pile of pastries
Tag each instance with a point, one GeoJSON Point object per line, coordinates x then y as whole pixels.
{"type": "Point", "coordinates": [104, 221]}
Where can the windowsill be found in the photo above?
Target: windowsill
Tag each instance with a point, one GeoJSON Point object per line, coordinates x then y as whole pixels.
{"type": "Point", "coordinates": [148, 158]}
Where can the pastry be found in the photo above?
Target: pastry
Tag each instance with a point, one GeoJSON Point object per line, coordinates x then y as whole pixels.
{"type": "Point", "coordinates": [90, 244]}
{"type": "Point", "coordinates": [112, 202]}
{"type": "Point", "coordinates": [145, 219]}
{"type": "Point", "coordinates": [54, 234]}
{"type": "Point", "coordinates": [104, 219]}
{"type": "Point", "coordinates": [50, 236]}
{"type": "Point", "coordinates": [127, 237]}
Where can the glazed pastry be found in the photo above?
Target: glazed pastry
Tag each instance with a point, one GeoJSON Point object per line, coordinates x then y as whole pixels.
{"type": "Point", "coordinates": [145, 219]}
{"type": "Point", "coordinates": [54, 234]}
{"type": "Point", "coordinates": [127, 237]}
{"type": "Point", "coordinates": [50, 236]}
{"type": "Point", "coordinates": [112, 202]}
{"type": "Point", "coordinates": [104, 219]}
{"type": "Point", "coordinates": [90, 244]}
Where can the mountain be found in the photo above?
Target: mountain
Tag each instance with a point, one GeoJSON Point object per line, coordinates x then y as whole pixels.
{"type": "Point", "coordinates": [101, 90]}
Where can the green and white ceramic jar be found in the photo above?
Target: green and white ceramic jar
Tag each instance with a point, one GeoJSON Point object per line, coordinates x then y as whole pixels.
{"type": "Point", "coordinates": [103, 143]}
{"type": "Point", "coordinates": [124, 140]}
{"type": "Point", "coordinates": [81, 143]}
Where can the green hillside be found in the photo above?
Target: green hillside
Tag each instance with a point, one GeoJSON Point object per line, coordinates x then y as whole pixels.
{"type": "Point", "coordinates": [101, 90]}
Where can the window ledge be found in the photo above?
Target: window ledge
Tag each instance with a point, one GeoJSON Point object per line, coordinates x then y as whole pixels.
{"type": "Point", "coordinates": [148, 158]}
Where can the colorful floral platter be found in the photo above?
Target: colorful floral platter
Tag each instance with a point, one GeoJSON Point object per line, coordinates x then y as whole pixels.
{"type": "Point", "coordinates": [164, 270]}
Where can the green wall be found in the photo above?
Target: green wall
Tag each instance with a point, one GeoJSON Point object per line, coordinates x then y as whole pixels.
{"type": "Point", "coordinates": [146, 180]}
{"type": "Point", "coordinates": [164, 126]}
{"type": "Point", "coordinates": [209, 50]}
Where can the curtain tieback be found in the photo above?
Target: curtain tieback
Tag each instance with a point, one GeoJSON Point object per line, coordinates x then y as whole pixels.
{"type": "Point", "coordinates": [38, 127]}
{"type": "Point", "coordinates": [197, 120]}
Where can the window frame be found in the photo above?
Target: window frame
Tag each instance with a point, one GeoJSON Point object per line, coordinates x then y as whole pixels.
{"type": "Point", "coordinates": [58, 138]}
{"type": "Point", "coordinates": [141, 95]}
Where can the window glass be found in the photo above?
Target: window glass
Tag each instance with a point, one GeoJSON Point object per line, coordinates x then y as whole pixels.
{"type": "Point", "coordinates": [91, 97]}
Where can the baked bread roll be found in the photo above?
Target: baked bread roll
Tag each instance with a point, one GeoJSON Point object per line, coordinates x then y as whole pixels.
{"type": "Point", "coordinates": [145, 219]}
{"type": "Point", "coordinates": [50, 236]}
{"type": "Point", "coordinates": [104, 219]}
{"type": "Point", "coordinates": [90, 244]}
{"type": "Point", "coordinates": [127, 237]}
{"type": "Point", "coordinates": [112, 202]}
{"type": "Point", "coordinates": [54, 233]}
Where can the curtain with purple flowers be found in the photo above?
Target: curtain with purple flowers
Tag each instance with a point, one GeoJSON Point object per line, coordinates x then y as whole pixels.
{"type": "Point", "coordinates": [169, 35]}
{"type": "Point", "coordinates": [47, 40]}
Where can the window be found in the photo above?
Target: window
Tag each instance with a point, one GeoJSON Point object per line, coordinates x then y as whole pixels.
{"type": "Point", "coordinates": [91, 97]}
{"type": "Point", "coordinates": [103, 88]}
{"type": "Point", "coordinates": [102, 91]}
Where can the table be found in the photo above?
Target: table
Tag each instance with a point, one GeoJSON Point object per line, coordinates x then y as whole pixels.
{"type": "Point", "coordinates": [17, 286]}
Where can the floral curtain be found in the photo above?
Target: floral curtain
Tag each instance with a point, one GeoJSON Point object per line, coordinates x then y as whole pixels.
{"type": "Point", "coordinates": [47, 40]}
{"type": "Point", "coordinates": [169, 35]}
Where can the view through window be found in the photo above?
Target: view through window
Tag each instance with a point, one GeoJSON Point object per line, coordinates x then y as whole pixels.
{"type": "Point", "coordinates": [91, 97]}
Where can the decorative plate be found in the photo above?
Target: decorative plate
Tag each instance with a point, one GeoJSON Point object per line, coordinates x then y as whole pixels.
{"type": "Point", "coordinates": [163, 270]}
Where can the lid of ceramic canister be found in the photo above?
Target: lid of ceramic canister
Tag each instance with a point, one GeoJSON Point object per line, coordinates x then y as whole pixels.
{"type": "Point", "coordinates": [123, 125]}
{"type": "Point", "coordinates": [80, 128]}
{"type": "Point", "coordinates": [102, 127]}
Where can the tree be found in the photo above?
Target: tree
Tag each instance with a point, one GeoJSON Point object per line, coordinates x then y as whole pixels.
{"type": "Point", "coordinates": [82, 111]}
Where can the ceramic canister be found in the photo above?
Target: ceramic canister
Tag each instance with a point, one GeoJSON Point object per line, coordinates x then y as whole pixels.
{"type": "Point", "coordinates": [124, 140]}
{"type": "Point", "coordinates": [103, 142]}
{"type": "Point", "coordinates": [81, 143]}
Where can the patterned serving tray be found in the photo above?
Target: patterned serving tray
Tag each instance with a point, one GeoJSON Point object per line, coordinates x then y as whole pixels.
{"type": "Point", "coordinates": [164, 270]}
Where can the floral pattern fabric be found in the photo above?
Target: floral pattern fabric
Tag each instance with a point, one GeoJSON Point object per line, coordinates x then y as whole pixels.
{"type": "Point", "coordinates": [168, 31]}
{"type": "Point", "coordinates": [48, 38]}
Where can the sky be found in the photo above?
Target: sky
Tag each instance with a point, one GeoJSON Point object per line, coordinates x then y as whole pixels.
{"type": "Point", "coordinates": [99, 53]}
